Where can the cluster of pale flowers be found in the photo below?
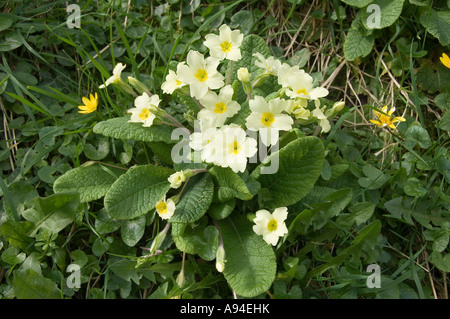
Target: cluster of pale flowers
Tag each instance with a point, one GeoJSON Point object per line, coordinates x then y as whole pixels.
{"type": "Point", "coordinates": [227, 144]}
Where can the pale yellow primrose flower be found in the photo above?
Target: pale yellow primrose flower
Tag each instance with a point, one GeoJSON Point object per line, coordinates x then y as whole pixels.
{"type": "Point", "coordinates": [387, 120]}
{"type": "Point", "coordinates": [322, 119]}
{"type": "Point", "coordinates": [300, 85]}
{"type": "Point", "coordinates": [145, 107]}
{"type": "Point", "coordinates": [267, 117]}
{"type": "Point", "coordinates": [230, 147]}
{"type": "Point", "coordinates": [200, 73]}
{"type": "Point", "coordinates": [172, 81]}
{"type": "Point", "coordinates": [176, 179]}
{"type": "Point", "coordinates": [226, 45]}
{"type": "Point", "coordinates": [90, 105]}
{"type": "Point", "coordinates": [271, 226]}
{"type": "Point", "coordinates": [116, 77]}
{"type": "Point", "coordinates": [270, 65]}
{"type": "Point", "coordinates": [165, 208]}
{"type": "Point", "coordinates": [218, 107]}
{"type": "Point", "coordinates": [445, 60]}
{"type": "Point", "coordinates": [199, 141]}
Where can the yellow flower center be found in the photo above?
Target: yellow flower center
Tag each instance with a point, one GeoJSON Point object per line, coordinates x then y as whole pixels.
{"type": "Point", "coordinates": [145, 114]}
{"type": "Point", "coordinates": [234, 148]}
{"type": "Point", "coordinates": [225, 46]}
{"type": "Point", "coordinates": [267, 119]}
{"type": "Point", "coordinates": [178, 82]}
{"type": "Point", "coordinates": [220, 108]}
{"type": "Point", "coordinates": [272, 225]}
{"type": "Point", "coordinates": [161, 207]}
{"type": "Point", "coordinates": [201, 75]}
{"type": "Point", "coordinates": [300, 91]}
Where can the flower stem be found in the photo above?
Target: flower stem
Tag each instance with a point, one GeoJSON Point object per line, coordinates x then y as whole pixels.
{"type": "Point", "coordinates": [229, 73]}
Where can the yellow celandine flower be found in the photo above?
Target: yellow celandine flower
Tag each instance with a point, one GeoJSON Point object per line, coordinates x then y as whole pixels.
{"type": "Point", "coordinates": [387, 120]}
{"type": "Point", "coordinates": [90, 105]}
{"type": "Point", "coordinates": [445, 60]}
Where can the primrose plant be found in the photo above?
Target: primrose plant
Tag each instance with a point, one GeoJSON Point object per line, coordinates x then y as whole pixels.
{"type": "Point", "coordinates": [229, 168]}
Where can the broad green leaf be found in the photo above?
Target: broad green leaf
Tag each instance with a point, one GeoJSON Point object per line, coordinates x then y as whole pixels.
{"type": "Point", "coordinates": [10, 42]}
{"type": "Point", "coordinates": [91, 182]}
{"type": "Point", "coordinates": [388, 10]}
{"type": "Point", "coordinates": [136, 192]}
{"type": "Point", "coordinates": [251, 265]}
{"type": "Point", "coordinates": [444, 123]}
{"type": "Point", "coordinates": [414, 187]}
{"type": "Point", "coordinates": [105, 224]}
{"type": "Point", "coordinates": [374, 178]}
{"type": "Point", "coordinates": [5, 22]}
{"type": "Point", "coordinates": [182, 234]}
{"type": "Point", "coordinates": [97, 153]}
{"type": "Point", "coordinates": [229, 185]}
{"type": "Point", "coordinates": [357, 3]}
{"type": "Point", "coordinates": [417, 135]}
{"type": "Point", "coordinates": [195, 201]}
{"type": "Point", "coordinates": [120, 128]}
{"type": "Point", "coordinates": [13, 256]}
{"type": "Point", "coordinates": [357, 44]}
{"type": "Point", "coordinates": [437, 23]}
{"type": "Point", "coordinates": [441, 261]}
{"type": "Point", "coordinates": [133, 230]}
{"type": "Point", "coordinates": [339, 200]}
{"type": "Point", "coordinates": [300, 164]}
{"type": "Point", "coordinates": [206, 243]}
{"type": "Point", "coordinates": [17, 233]}
{"type": "Point", "coordinates": [221, 210]}
{"type": "Point", "coordinates": [54, 212]}
{"type": "Point", "coordinates": [125, 269]}
{"type": "Point", "coordinates": [361, 212]}
{"type": "Point", "coordinates": [29, 284]}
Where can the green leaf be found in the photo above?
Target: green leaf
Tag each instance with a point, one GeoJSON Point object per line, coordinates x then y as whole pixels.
{"type": "Point", "coordinates": [300, 165]}
{"type": "Point", "coordinates": [251, 265]}
{"type": "Point", "coordinates": [195, 200]}
{"type": "Point", "coordinates": [17, 233]}
{"type": "Point", "coordinates": [120, 128]}
{"type": "Point", "coordinates": [441, 261]}
{"type": "Point", "coordinates": [54, 212]}
{"type": "Point", "coordinates": [10, 42]}
{"type": "Point", "coordinates": [444, 123]}
{"type": "Point", "coordinates": [389, 12]}
{"type": "Point", "coordinates": [437, 23]}
{"type": "Point", "coordinates": [206, 243]}
{"type": "Point", "coordinates": [91, 182]}
{"type": "Point", "coordinates": [229, 184]}
{"type": "Point", "coordinates": [339, 200]}
{"type": "Point", "coordinates": [125, 269]}
{"type": "Point", "coordinates": [357, 44]}
{"type": "Point", "coordinates": [374, 178]}
{"type": "Point", "coordinates": [221, 210]}
{"type": "Point", "coordinates": [136, 192]}
{"type": "Point", "coordinates": [13, 256]}
{"type": "Point", "coordinates": [28, 284]}
{"type": "Point", "coordinates": [105, 224]}
{"type": "Point", "coordinates": [133, 230]}
{"type": "Point", "coordinates": [414, 187]}
{"type": "Point", "coordinates": [417, 135]}
{"type": "Point", "coordinates": [5, 22]}
{"type": "Point", "coordinates": [357, 3]}
{"type": "Point", "coordinates": [361, 212]}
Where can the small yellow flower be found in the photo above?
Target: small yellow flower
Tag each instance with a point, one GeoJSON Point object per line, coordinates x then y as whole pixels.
{"type": "Point", "coordinates": [90, 105]}
{"type": "Point", "coordinates": [445, 60]}
{"type": "Point", "coordinates": [387, 120]}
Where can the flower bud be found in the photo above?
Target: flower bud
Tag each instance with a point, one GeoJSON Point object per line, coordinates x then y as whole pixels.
{"type": "Point", "coordinates": [243, 75]}
{"type": "Point", "coordinates": [220, 259]}
{"type": "Point", "coordinates": [138, 85]}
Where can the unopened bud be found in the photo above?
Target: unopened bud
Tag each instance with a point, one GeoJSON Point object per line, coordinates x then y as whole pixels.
{"type": "Point", "coordinates": [220, 259]}
{"type": "Point", "coordinates": [243, 75]}
{"type": "Point", "coordinates": [138, 85]}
